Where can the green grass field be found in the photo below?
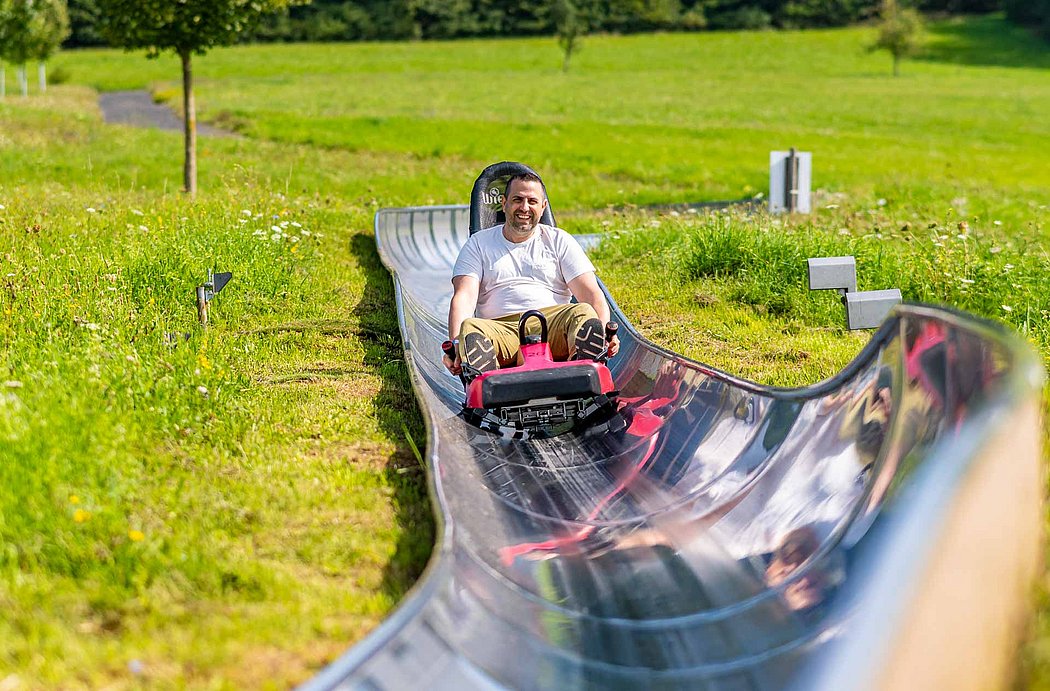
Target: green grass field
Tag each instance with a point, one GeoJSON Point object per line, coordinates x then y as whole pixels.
{"type": "Point", "coordinates": [233, 507]}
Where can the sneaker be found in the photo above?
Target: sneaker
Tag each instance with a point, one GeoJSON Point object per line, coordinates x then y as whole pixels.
{"type": "Point", "coordinates": [481, 354]}
{"type": "Point", "coordinates": [590, 340]}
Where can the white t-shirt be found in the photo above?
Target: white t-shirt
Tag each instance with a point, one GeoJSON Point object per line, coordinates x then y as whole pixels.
{"type": "Point", "coordinates": [515, 277]}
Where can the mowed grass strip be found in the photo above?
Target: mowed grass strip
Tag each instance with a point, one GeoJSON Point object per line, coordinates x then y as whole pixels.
{"type": "Point", "coordinates": [655, 118]}
{"type": "Point", "coordinates": [280, 514]}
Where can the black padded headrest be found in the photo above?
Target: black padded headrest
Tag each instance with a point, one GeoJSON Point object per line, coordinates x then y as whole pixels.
{"type": "Point", "coordinates": [486, 199]}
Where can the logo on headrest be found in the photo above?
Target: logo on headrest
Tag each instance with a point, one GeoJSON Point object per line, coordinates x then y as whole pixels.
{"type": "Point", "coordinates": [493, 196]}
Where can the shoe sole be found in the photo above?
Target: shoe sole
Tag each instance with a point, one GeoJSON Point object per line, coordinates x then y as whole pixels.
{"type": "Point", "coordinates": [481, 354]}
{"type": "Point", "coordinates": [590, 340]}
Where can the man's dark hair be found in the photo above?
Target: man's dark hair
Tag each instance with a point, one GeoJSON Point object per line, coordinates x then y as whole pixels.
{"type": "Point", "coordinates": [526, 177]}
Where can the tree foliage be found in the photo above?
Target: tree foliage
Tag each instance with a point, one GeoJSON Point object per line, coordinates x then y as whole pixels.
{"type": "Point", "coordinates": [31, 29]}
{"type": "Point", "coordinates": [353, 20]}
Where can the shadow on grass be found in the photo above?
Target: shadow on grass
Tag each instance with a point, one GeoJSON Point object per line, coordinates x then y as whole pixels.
{"type": "Point", "coordinates": [397, 412]}
{"type": "Point", "coordinates": [990, 41]}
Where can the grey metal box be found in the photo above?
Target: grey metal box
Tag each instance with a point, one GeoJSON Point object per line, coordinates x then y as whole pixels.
{"type": "Point", "coordinates": [833, 273]}
{"type": "Point", "coordinates": [866, 310]}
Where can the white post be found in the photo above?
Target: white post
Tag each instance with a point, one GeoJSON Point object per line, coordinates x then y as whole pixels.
{"type": "Point", "coordinates": [22, 81]}
{"type": "Point", "coordinates": [41, 76]}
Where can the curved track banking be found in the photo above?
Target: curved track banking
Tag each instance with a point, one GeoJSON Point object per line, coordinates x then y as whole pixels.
{"type": "Point", "coordinates": [720, 534]}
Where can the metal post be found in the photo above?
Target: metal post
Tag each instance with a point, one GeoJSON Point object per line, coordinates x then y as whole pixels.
{"type": "Point", "coordinates": [202, 304]}
{"type": "Point", "coordinates": [791, 181]}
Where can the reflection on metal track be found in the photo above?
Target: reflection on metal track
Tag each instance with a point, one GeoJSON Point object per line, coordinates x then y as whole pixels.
{"type": "Point", "coordinates": [878, 529]}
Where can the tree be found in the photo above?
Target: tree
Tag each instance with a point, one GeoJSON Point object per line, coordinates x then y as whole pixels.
{"type": "Point", "coordinates": [30, 30]}
{"type": "Point", "coordinates": [900, 32]}
{"type": "Point", "coordinates": [569, 27]}
{"type": "Point", "coordinates": [48, 27]}
{"type": "Point", "coordinates": [186, 27]}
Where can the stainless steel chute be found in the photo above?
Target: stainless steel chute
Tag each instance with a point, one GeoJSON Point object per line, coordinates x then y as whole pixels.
{"type": "Point", "coordinates": [861, 532]}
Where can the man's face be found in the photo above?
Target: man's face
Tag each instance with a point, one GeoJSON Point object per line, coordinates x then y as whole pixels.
{"type": "Point", "coordinates": [523, 206]}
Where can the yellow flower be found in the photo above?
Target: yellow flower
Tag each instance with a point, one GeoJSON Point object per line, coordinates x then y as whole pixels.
{"type": "Point", "coordinates": [202, 361]}
{"type": "Point", "coordinates": [136, 535]}
{"type": "Point", "coordinates": [80, 515]}
{"type": "Point", "coordinates": [74, 499]}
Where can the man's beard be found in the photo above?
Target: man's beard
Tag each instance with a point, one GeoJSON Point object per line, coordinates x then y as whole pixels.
{"type": "Point", "coordinates": [521, 227]}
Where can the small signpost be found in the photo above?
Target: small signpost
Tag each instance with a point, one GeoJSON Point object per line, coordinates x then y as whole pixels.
{"type": "Point", "coordinates": [790, 173]}
{"type": "Point", "coordinates": [205, 293]}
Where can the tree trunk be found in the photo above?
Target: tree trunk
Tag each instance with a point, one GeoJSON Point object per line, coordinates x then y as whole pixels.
{"type": "Point", "coordinates": [41, 77]}
{"type": "Point", "coordinates": [189, 119]}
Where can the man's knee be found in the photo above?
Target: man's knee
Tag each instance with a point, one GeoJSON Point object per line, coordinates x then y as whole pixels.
{"type": "Point", "coordinates": [471, 325]}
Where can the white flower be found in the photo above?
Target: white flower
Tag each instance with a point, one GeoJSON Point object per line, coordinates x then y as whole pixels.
{"type": "Point", "coordinates": [843, 231]}
{"type": "Point", "coordinates": [13, 384]}
{"type": "Point", "coordinates": [144, 229]}
{"type": "Point", "coordinates": [304, 233]}
{"type": "Point", "coordinates": [276, 237]}
{"type": "Point", "coordinates": [966, 281]}
{"type": "Point", "coordinates": [275, 229]}
{"type": "Point", "coordinates": [995, 250]}
{"type": "Point", "coordinates": [1007, 308]}
{"type": "Point", "coordinates": [297, 224]}
{"type": "Point", "coordinates": [202, 390]}
{"type": "Point", "coordinates": [294, 238]}
{"type": "Point", "coordinates": [90, 210]}
{"type": "Point", "coordinates": [881, 202]}
{"type": "Point", "coordinates": [997, 223]}
{"type": "Point", "coordinates": [832, 206]}
{"type": "Point", "coordinates": [137, 212]}
{"type": "Point", "coordinates": [246, 212]}
{"type": "Point", "coordinates": [2, 207]}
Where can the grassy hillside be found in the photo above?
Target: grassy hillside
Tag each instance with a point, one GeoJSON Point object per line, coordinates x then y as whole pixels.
{"type": "Point", "coordinates": [232, 506]}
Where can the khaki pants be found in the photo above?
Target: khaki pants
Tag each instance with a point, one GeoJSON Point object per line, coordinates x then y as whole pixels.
{"type": "Point", "coordinates": [563, 323]}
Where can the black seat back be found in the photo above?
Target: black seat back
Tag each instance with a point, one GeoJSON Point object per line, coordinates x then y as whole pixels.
{"type": "Point", "coordinates": [486, 199]}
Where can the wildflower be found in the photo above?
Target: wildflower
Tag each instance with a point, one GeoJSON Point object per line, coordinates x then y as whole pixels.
{"type": "Point", "coordinates": [997, 223]}
{"type": "Point", "coordinates": [995, 250]}
{"type": "Point", "coordinates": [74, 499]}
{"type": "Point", "coordinates": [202, 390]}
{"type": "Point", "coordinates": [144, 229]}
{"type": "Point", "coordinates": [136, 535]}
{"type": "Point", "coordinates": [296, 224]}
{"type": "Point", "coordinates": [276, 229]}
{"type": "Point", "coordinates": [81, 516]}
{"type": "Point", "coordinates": [832, 206]}
{"type": "Point", "coordinates": [2, 207]}
{"type": "Point", "coordinates": [246, 212]}
{"type": "Point", "coordinates": [137, 212]}
{"type": "Point", "coordinates": [966, 281]}
{"type": "Point", "coordinates": [304, 233]}
{"type": "Point", "coordinates": [12, 384]}
{"type": "Point", "coordinates": [881, 202]}
{"type": "Point", "coordinates": [1007, 308]}
{"type": "Point", "coordinates": [90, 210]}
{"type": "Point", "coordinates": [202, 361]}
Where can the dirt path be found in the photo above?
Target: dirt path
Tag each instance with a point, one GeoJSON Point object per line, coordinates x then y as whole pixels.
{"type": "Point", "coordinates": [137, 108]}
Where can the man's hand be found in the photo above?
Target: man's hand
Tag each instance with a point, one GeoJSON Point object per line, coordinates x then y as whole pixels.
{"type": "Point", "coordinates": [453, 366]}
{"type": "Point", "coordinates": [613, 346]}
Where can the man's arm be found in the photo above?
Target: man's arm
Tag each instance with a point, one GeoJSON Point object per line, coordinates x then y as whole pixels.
{"type": "Point", "coordinates": [585, 288]}
{"type": "Point", "coordinates": [465, 291]}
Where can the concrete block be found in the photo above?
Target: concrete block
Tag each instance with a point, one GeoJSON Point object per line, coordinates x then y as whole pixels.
{"type": "Point", "coordinates": [833, 273]}
{"type": "Point", "coordinates": [868, 309]}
